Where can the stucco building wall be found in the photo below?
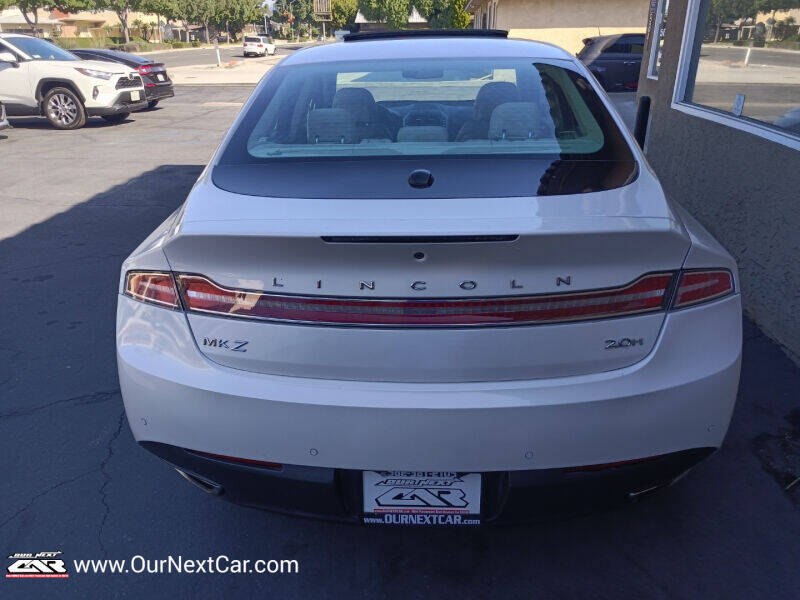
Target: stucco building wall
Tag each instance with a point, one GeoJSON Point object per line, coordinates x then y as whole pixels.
{"type": "Point", "coordinates": [561, 22]}
{"type": "Point", "coordinates": [744, 189]}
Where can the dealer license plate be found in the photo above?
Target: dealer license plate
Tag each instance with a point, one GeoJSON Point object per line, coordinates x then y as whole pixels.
{"type": "Point", "coordinates": [134, 96]}
{"type": "Point", "coordinates": [422, 498]}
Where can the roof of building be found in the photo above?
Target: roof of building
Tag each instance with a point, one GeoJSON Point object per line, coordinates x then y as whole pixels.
{"type": "Point", "coordinates": [20, 20]}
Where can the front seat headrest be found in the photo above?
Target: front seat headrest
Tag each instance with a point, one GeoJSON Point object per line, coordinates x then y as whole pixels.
{"type": "Point", "coordinates": [358, 101]}
{"type": "Point", "coordinates": [520, 121]}
{"type": "Point", "coordinates": [332, 126]}
{"type": "Point", "coordinates": [491, 95]}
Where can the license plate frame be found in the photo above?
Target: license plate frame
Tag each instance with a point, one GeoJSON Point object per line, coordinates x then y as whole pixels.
{"type": "Point", "coordinates": [135, 97]}
{"type": "Point", "coordinates": [426, 498]}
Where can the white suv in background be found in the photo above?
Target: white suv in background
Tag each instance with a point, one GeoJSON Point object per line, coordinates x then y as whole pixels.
{"type": "Point", "coordinates": [257, 45]}
{"type": "Point", "coordinates": [37, 78]}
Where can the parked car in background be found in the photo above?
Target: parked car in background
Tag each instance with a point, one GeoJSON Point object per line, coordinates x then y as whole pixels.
{"type": "Point", "coordinates": [429, 278]}
{"type": "Point", "coordinates": [38, 78]}
{"type": "Point", "coordinates": [157, 84]}
{"type": "Point", "coordinates": [258, 45]}
{"type": "Point", "coordinates": [615, 60]}
{"type": "Point", "coordinates": [4, 124]}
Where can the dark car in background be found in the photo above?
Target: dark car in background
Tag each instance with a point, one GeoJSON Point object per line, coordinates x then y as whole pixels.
{"type": "Point", "coordinates": [615, 60]}
{"type": "Point", "coordinates": [157, 84]}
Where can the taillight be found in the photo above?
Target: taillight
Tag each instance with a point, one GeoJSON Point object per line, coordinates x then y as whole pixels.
{"type": "Point", "coordinates": [646, 294]}
{"type": "Point", "coordinates": [702, 286]}
{"type": "Point", "coordinates": [649, 293]}
{"type": "Point", "coordinates": [154, 287]}
{"type": "Point", "coordinates": [145, 70]}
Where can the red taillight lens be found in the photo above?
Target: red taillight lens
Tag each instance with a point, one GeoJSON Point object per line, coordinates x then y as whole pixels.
{"type": "Point", "coordinates": [701, 286]}
{"type": "Point", "coordinates": [144, 70]}
{"type": "Point", "coordinates": [149, 286]}
{"type": "Point", "coordinates": [261, 45]}
{"type": "Point", "coordinates": [646, 294]}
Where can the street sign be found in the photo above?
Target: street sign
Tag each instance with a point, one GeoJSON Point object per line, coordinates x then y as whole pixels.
{"type": "Point", "coordinates": [322, 10]}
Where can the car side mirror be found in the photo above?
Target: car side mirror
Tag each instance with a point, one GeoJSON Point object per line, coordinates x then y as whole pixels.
{"type": "Point", "coordinates": [8, 57]}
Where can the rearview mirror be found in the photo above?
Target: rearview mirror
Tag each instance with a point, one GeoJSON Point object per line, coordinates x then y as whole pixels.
{"type": "Point", "coordinates": [8, 57]}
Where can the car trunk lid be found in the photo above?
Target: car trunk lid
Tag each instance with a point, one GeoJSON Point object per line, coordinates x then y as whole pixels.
{"type": "Point", "coordinates": [361, 254]}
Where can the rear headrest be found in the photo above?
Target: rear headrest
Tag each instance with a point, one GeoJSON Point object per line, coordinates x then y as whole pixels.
{"type": "Point", "coordinates": [358, 101]}
{"type": "Point", "coordinates": [422, 133]}
{"type": "Point", "coordinates": [520, 121]}
{"type": "Point", "coordinates": [492, 95]}
{"type": "Point", "coordinates": [331, 125]}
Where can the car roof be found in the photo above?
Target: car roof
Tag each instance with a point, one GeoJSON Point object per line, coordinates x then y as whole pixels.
{"type": "Point", "coordinates": [615, 36]}
{"type": "Point", "coordinates": [116, 55]}
{"type": "Point", "coordinates": [428, 47]}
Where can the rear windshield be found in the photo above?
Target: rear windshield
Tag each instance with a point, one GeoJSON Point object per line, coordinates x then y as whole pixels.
{"type": "Point", "coordinates": [428, 113]}
{"type": "Point", "coordinates": [255, 40]}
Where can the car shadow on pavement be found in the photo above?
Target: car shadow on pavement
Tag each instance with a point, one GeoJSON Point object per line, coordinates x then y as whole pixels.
{"type": "Point", "coordinates": [43, 123]}
{"type": "Point", "coordinates": [76, 481]}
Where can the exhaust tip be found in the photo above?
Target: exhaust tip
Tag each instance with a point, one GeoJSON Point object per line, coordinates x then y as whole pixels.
{"type": "Point", "coordinates": [208, 486]}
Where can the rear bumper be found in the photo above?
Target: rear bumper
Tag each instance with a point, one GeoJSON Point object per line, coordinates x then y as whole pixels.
{"type": "Point", "coordinates": [680, 397]}
{"type": "Point", "coordinates": [159, 92]}
{"type": "Point", "coordinates": [506, 496]}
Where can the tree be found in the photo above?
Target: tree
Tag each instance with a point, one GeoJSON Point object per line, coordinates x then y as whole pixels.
{"type": "Point", "coordinates": [448, 14]}
{"type": "Point", "coordinates": [441, 14]}
{"type": "Point", "coordinates": [392, 12]}
{"type": "Point", "coordinates": [720, 11]}
{"type": "Point", "coordinates": [233, 15]}
{"type": "Point", "coordinates": [343, 13]}
{"type": "Point", "coordinates": [296, 13]}
{"type": "Point", "coordinates": [123, 8]}
{"type": "Point", "coordinates": [30, 9]}
{"type": "Point", "coordinates": [159, 8]}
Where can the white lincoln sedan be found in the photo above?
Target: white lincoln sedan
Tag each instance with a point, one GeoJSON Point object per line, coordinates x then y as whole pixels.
{"type": "Point", "coordinates": [429, 279]}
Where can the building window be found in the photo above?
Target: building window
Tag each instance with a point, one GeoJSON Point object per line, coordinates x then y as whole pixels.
{"type": "Point", "coordinates": [741, 68]}
{"type": "Point", "coordinates": [657, 40]}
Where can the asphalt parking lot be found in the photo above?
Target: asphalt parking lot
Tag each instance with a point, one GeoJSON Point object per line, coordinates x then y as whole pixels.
{"type": "Point", "coordinates": [75, 203]}
{"type": "Point", "coordinates": [208, 56]}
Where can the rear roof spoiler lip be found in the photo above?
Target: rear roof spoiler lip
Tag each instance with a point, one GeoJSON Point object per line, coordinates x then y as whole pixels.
{"type": "Point", "coordinates": [425, 33]}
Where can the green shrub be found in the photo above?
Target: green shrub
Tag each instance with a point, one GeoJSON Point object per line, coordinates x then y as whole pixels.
{"type": "Point", "coordinates": [69, 43]}
{"type": "Point", "coordinates": [195, 44]}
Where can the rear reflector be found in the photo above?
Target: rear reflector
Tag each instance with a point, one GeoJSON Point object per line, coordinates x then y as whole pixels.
{"type": "Point", "coordinates": [149, 286]}
{"type": "Point", "coordinates": [245, 461]}
{"type": "Point", "coordinates": [701, 286]}
{"type": "Point", "coordinates": [646, 294]}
